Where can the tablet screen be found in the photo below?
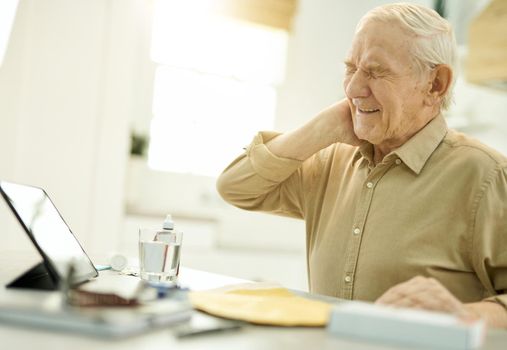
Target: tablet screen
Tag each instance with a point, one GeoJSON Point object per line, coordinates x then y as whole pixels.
{"type": "Point", "coordinates": [47, 230]}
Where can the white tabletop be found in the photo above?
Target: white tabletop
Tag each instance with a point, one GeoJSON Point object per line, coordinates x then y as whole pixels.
{"type": "Point", "coordinates": [249, 337]}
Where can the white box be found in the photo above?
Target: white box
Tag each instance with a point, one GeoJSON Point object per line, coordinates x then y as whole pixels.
{"type": "Point", "coordinates": [426, 329]}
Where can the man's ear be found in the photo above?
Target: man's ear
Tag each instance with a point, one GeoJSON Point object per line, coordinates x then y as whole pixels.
{"type": "Point", "coordinates": [439, 84]}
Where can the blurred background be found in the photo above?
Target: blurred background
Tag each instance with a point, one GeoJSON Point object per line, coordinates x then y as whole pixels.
{"type": "Point", "coordinates": [126, 110]}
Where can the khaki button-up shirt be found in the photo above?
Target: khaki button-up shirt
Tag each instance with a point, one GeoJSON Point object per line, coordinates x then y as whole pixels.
{"type": "Point", "coordinates": [436, 207]}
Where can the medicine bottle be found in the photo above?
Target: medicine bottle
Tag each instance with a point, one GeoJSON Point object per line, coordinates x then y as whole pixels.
{"type": "Point", "coordinates": [173, 239]}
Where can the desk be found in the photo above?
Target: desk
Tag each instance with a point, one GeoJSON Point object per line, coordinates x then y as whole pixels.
{"type": "Point", "coordinates": [250, 337]}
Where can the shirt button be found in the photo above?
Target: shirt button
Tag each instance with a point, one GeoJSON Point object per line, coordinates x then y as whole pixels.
{"type": "Point", "coordinates": [398, 161]}
{"type": "Point", "coordinates": [348, 279]}
{"type": "Point", "coordinates": [357, 231]}
{"type": "Point", "coordinates": [369, 184]}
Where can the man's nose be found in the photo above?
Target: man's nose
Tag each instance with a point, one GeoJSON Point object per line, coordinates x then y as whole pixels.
{"type": "Point", "coordinates": [357, 86]}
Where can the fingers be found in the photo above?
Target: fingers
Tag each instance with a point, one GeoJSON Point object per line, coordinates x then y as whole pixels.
{"type": "Point", "coordinates": [344, 130]}
{"type": "Point", "coordinates": [422, 293]}
{"type": "Point", "coordinates": [404, 290]}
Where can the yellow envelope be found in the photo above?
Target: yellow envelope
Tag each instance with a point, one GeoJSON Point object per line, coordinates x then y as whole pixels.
{"type": "Point", "coordinates": [260, 304]}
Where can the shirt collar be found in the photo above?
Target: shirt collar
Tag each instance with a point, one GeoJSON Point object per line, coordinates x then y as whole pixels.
{"type": "Point", "coordinates": [364, 152]}
{"type": "Point", "coordinates": [417, 150]}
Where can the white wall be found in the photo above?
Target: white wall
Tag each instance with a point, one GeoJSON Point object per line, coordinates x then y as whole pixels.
{"type": "Point", "coordinates": [77, 76]}
{"type": "Point", "coordinates": [50, 84]}
{"type": "Point", "coordinates": [66, 89]}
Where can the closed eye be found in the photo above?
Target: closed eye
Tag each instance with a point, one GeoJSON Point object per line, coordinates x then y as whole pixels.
{"type": "Point", "coordinates": [350, 68]}
{"type": "Point", "coordinates": [373, 71]}
{"type": "Point", "coordinates": [377, 72]}
{"type": "Point", "coordinates": [372, 75]}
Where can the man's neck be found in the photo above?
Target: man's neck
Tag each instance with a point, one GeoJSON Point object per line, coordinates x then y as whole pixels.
{"type": "Point", "coordinates": [382, 150]}
{"type": "Point", "coordinates": [378, 155]}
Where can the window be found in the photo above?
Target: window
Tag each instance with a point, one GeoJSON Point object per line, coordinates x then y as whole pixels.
{"type": "Point", "coordinates": [7, 13]}
{"type": "Point", "coordinates": [215, 86]}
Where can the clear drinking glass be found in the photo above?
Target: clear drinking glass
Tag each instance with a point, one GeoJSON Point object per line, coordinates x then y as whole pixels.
{"type": "Point", "coordinates": [159, 254]}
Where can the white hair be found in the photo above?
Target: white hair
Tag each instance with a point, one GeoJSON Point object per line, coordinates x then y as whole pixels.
{"type": "Point", "coordinates": [435, 42]}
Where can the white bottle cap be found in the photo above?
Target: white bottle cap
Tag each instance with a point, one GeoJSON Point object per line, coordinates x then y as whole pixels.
{"type": "Point", "coordinates": [118, 262]}
{"type": "Point", "coordinates": [168, 223]}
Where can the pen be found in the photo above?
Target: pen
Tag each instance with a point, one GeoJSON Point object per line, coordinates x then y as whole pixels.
{"type": "Point", "coordinates": [188, 330]}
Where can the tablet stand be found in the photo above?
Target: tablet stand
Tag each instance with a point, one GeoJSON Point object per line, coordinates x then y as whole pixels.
{"type": "Point", "coordinates": [37, 277]}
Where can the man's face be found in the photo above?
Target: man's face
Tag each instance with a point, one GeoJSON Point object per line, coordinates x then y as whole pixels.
{"type": "Point", "coordinates": [384, 86]}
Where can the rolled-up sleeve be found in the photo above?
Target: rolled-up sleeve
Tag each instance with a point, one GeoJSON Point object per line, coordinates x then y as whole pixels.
{"type": "Point", "coordinates": [489, 243]}
{"type": "Point", "coordinates": [261, 181]}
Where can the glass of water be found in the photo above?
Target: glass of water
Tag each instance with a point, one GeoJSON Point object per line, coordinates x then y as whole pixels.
{"type": "Point", "coordinates": [159, 254]}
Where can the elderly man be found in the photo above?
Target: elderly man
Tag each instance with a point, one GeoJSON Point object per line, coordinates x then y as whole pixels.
{"type": "Point", "coordinates": [398, 208]}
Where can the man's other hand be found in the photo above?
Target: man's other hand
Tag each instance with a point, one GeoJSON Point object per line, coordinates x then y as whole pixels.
{"type": "Point", "coordinates": [424, 293]}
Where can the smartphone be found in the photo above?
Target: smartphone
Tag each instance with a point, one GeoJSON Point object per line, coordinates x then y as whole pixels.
{"type": "Point", "coordinates": [201, 324]}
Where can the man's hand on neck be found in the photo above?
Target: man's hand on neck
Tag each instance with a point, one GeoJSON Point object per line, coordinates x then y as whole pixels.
{"type": "Point", "coordinates": [332, 125]}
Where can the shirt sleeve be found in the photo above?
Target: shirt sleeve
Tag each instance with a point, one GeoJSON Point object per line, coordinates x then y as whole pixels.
{"type": "Point", "coordinates": [489, 243]}
{"type": "Point", "coordinates": [261, 181]}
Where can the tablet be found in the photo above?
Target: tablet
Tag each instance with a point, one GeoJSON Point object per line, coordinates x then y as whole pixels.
{"type": "Point", "coordinates": [49, 233]}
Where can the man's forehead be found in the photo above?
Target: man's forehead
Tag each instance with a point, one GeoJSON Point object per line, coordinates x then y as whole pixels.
{"type": "Point", "coordinates": [378, 25]}
{"type": "Point", "coordinates": [379, 42]}
{"type": "Point", "coordinates": [372, 54]}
